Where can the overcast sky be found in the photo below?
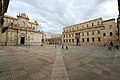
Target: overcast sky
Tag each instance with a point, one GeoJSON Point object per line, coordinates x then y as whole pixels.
{"type": "Point", "coordinates": [53, 15]}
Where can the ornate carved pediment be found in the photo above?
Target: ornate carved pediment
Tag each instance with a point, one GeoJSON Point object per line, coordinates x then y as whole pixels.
{"type": "Point", "coordinates": [22, 35]}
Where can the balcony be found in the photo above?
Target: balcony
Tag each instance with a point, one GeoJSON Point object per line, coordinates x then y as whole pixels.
{"type": "Point", "coordinates": [77, 35]}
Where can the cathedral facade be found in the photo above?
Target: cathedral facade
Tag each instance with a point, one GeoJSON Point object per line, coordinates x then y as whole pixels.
{"type": "Point", "coordinates": [20, 31]}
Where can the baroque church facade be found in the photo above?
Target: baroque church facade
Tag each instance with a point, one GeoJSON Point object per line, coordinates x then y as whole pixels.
{"type": "Point", "coordinates": [20, 31]}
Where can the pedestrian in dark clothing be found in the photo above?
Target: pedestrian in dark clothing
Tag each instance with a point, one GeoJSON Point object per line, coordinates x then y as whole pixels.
{"type": "Point", "coordinates": [66, 47]}
{"type": "Point", "coordinates": [62, 47]}
{"type": "Point", "coordinates": [117, 47]}
{"type": "Point", "coordinates": [41, 45]}
{"type": "Point", "coordinates": [109, 47]}
{"type": "Point", "coordinates": [111, 43]}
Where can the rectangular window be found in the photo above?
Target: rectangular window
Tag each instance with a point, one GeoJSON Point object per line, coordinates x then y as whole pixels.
{"type": "Point", "coordinates": [82, 34]}
{"type": "Point", "coordinates": [82, 26]}
{"type": "Point", "coordinates": [72, 35]}
{"type": "Point", "coordinates": [64, 36]}
{"type": "Point", "coordinates": [92, 32]}
{"type": "Point", "coordinates": [98, 31]}
{"type": "Point", "coordinates": [87, 39]}
{"type": "Point", "coordinates": [69, 40]}
{"type": "Point", "coordinates": [110, 26]}
{"type": "Point", "coordinates": [72, 40]}
{"type": "Point", "coordinates": [87, 33]}
{"type": "Point", "coordinates": [82, 40]}
{"type": "Point", "coordinates": [98, 23]}
{"type": "Point", "coordinates": [11, 25]}
{"type": "Point", "coordinates": [87, 25]}
{"type": "Point", "coordinates": [93, 39]}
{"type": "Point", "coordinates": [92, 24]}
{"type": "Point", "coordinates": [69, 35]}
{"type": "Point", "coordinates": [66, 40]}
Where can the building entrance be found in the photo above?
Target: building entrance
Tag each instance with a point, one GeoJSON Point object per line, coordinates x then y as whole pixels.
{"type": "Point", "coordinates": [77, 42]}
{"type": "Point", "coordinates": [22, 40]}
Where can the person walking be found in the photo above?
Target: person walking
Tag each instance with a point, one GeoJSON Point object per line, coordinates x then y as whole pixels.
{"type": "Point", "coordinates": [111, 43]}
{"type": "Point", "coordinates": [62, 46]}
{"type": "Point", "coordinates": [109, 47]}
{"type": "Point", "coordinates": [66, 47]}
{"type": "Point", "coordinates": [117, 45]}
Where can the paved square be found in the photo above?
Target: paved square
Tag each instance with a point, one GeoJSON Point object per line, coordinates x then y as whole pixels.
{"type": "Point", "coordinates": [50, 63]}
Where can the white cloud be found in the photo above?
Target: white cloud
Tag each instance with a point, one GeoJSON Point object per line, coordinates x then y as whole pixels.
{"type": "Point", "coordinates": [53, 15]}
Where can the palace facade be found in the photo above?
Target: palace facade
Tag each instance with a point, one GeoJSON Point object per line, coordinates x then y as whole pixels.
{"type": "Point", "coordinates": [53, 39]}
{"type": "Point", "coordinates": [93, 32]}
{"type": "Point", "coordinates": [19, 31]}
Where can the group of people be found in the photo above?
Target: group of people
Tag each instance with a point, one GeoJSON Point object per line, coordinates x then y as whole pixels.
{"type": "Point", "coordinates": [63, 47]}
{"type": "Point", "coordinates": [111, 45]}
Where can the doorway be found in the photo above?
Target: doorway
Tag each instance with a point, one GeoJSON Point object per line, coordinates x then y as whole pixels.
{"type": "Point", "coordinates": [77, 42]}
{"type": "Point", "coordinates": [22, 40]}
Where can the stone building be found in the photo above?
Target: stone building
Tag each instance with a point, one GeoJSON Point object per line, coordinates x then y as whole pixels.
{"type": "Point", "coordinates": [93, 32]}
{"type": "Point", "coordinates": [118, 25]}
{"type": "Point", "coordinates": [3, 9]}
{"type": "Point", "coordinates": [47, 39]}
{"type": "Point", "coordinates": [54, 39]}
{"type": "Point", "coordinates": [20, 31]}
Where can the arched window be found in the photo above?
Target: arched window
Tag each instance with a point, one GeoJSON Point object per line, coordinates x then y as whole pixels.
{"type": "Point", "coordinates": [111, 34]}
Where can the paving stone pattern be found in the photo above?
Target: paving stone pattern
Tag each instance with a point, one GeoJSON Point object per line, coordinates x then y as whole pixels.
{"type": "Point", "coordinates": [50, 63]}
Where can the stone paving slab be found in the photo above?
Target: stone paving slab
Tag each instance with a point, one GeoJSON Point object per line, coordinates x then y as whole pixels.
{"type": "Point", "coordinates": [88, 63]}
{"type": "Point", "coordinates": [59, 70]}
{"type": "Point", "coordinates": [23, 63]}
{"type": "Point", "coordinates": [76, 63]}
